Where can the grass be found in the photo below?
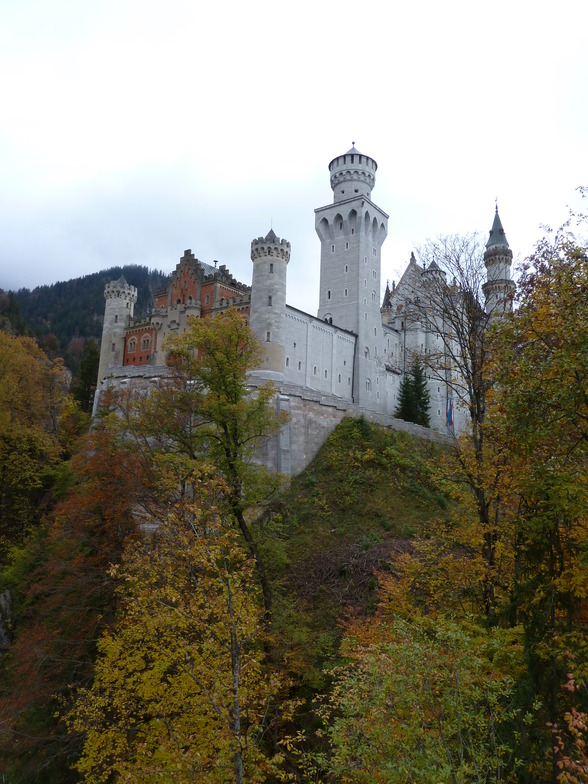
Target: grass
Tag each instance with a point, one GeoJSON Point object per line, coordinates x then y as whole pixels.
{"type": "Point", "coordinates": [366, 494]}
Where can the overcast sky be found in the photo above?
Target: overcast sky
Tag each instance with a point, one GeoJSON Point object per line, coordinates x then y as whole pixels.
{"type": "Point", "coordinates": [132, 130]}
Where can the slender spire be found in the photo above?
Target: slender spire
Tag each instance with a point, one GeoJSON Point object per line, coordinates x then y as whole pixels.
{"type": "Point", "coordinates": [497, 235]}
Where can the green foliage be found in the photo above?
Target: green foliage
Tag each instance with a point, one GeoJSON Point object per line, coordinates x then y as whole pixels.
{"type": "Point", "coordinates": [423, 702]}
{"type": "Point", "coordinates": [414, 398]}
{"type": "Point", "coordinates": [83, 384]}
{"type": "Point", "coordinates": [32, 394]}
{"type": "Point", "coordinates": [339, 521]}
{"type": "Point", "coordinates": [541, 415]}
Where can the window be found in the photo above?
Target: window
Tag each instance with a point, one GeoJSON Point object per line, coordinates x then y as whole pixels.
{"type": "Point", "coordinates": [368, 385]}
{"type": "Point", "coordinates": [353, 230]}
{"type": "Point", "coordinates": [269, 301]}
{"type": "Point", "coordinates": [132, 345]}
{"type": "Point", "coordinates": [145, 341]}
{"type": "Point", "coordinates": [300, 366]}
{"type": "Point", "coordinates": [347, 268]}
{"type": "Point", "coordinates": [339, 377]}
{"type": "Point", "coordinates": [268, 337]}
{"type": "Point", "coordinates": [113, 347]}
{"type": "Point", "coordinates": [271, 267]}
{"type": "Point", "coordinates": [314, 370]}
{"type": "Point", "coordinates": [116, 319]}
{"type": "Point", "coordinates": [374, 252]}
{"type": "Point", "coordinates": [345, 290]}
{"type": "Point", "coordinates": [341, 222]}
{"type": "Point", "coordinates": [207, 299]}
{"type": "Point", "coordinates": [346, 246]}
{"type": "Point", "coordinates": [332, 248]}
{"type": "Point", "coordinates": [325, 373]}
{"type": "Point", "coordinates": [329, 294]}
{"type": "Point", "coordinates": [374, 274]}
{"type": "Point", "coordinates": [287, 361]}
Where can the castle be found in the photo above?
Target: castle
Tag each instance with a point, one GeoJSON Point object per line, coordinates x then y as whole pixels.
{"type": "Point", "coordinates": [348, 360]}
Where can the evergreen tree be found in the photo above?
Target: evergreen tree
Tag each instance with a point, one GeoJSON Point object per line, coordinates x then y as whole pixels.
{"type": "Point", "coordinates": [84, 383]}
{"type": "Point", "coordinates": [414, 399]}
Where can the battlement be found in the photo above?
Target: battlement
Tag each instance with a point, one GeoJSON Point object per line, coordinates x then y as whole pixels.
{"type": "Point", "coordinates": [271, 245]}
{"type": "Point", "coordinates": [120, 289]}
{"type": "Point", "coordinates": [355, 170]}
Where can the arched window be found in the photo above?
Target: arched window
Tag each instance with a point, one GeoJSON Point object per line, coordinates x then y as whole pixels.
{"type": "Point", "coordinates": [145, 342]}
{"type": "Point", "coordinates": [132, 345]}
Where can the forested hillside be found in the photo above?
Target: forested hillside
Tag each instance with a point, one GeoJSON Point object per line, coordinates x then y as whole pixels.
{"type": "Point", "coordinates": [63, 313]}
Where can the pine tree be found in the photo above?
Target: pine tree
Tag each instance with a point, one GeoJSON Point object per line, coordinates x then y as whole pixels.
{"type": "Point", "coordinates": [421, 395]}
{"type": "Point", "coordinates": [414, 399]}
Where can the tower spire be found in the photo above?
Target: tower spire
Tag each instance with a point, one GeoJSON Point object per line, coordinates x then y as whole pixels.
{"type": "Point", "coordinates": [499, 288]}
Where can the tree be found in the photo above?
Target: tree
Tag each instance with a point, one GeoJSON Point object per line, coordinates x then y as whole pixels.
{"type": "Point", "coordinates": [421, 698]}
{"type": "Point", "coordinates": [204, 409]}
{"type": "Point", "coordinates": [62, 597]}
{"type": "Point", "coordinates": [414, 398]}
{"type": "Point", "coordinates": [84, 383]}
{"type": "Point", "coordinates": [460, 358]}
{"type": "Point", "coordinates": [540, 413]}
{"type": "Point", "coordinates": [180, 690]}
{"type": "Point", "coordinates": [32, 391]}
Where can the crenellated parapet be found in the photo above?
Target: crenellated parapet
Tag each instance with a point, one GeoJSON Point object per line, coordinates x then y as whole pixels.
{"type": "Point", "coordinates": [270, 246]}
{"type": "Point", "coordinates": [121, 290]}
{"type": "Point", "coordinates": [352, 174]}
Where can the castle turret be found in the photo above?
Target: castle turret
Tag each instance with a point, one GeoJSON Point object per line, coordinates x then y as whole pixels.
{"type": "Point", "coordinates": [120, 298]}
{"type": "Point", "coordinates": [352, 174]}
{"type": "Point", "coordinates": [270, 256]}
{"type": "Point", "coordinates": [352, 230]}
{"type": "Point", "coordinates": [499, 287]}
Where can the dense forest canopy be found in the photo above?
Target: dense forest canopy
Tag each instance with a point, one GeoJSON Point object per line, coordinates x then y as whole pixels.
{"type": "Point", "coordinates": [64, 315]}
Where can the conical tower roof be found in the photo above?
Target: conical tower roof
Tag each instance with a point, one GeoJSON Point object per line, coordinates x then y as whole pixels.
{"type": "Point", "coordinates": [497, 235]}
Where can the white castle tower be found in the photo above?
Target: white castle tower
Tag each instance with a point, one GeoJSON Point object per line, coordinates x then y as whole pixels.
{"type": "Point", "coordinates": [351, 231]}
{"type": "Point", "coordinates": [270, 256]}
{"type": "Point", "coordinates": [499, 287]}
{"type": "Point", "coordinates": [120, 300]}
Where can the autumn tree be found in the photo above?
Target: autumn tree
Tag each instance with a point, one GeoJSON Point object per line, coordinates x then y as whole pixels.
{"type": "Point", "coordinates": [204, 409]}
{"type": "Point", "coordinates": [414, 397]}
{"type": "Point", "coordinates": [541, 414]}
{"type": "Point", "coordinates": [181, 690]}
{"type": "Point", "coordinates": [32, 390]}
{"type": "Point", "coordinates": [62, 597]}
{"type": "Point", "coordinates": [421, 697]}
{"type": "Point", "coordinates": [453, 310]}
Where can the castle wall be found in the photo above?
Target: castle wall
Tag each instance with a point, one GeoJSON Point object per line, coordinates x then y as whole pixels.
{"type": "Point", "coordinates": [312, 418]}
{"type": "Point", "coordinates": [318, 355]}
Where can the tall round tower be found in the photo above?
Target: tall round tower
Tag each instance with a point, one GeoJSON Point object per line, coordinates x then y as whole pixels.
{"type": "Point", "coordinates": [352, 174]}
{"type": "Point", "coordinates": [120, 298]}
{"type": "Point", "coordinates": [499, 287]}
{"type": "Point", "coordinates": [270, 256]}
